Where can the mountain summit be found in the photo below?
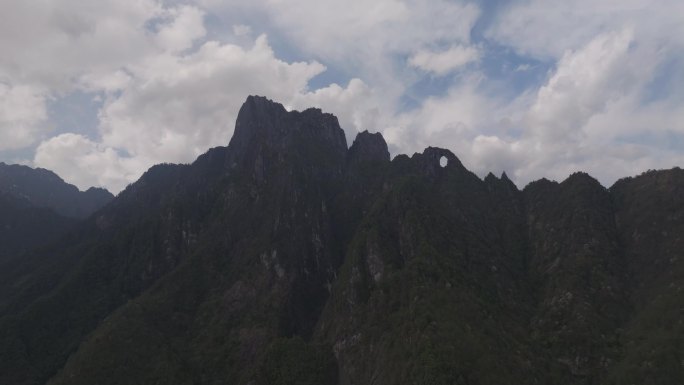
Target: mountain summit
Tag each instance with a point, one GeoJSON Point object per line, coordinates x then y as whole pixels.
{"type": "Point", "coordinates": [288, 258]}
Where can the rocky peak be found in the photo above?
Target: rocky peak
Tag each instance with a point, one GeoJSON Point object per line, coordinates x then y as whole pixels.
{"type": "Point", "coordinates": [434, 160]}
{"type": "Point", "coordinates": [368, 147]}
{"type": "Point", "coordinates": [490, 178]}
{"type": "Point", "coordinates": [507, 182]}
{"type": "Point", "coordinates": [267, 122]}
{"type": "Point", "coordinates": [269, 140]}
{"type": "Point", "coordinates": [503, 183]}
{"type": "Point", "coordinates": [257, 117]}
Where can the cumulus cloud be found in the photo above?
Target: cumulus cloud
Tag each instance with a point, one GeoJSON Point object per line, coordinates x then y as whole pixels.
{"type": "Point", "coordinates": [172, 109]}
{"type": "Point", "coordinates": [477, 128]}
{"type": "Point", "coordinates": [584, 82]}
{"type": "Point", "coordinates": [52, 42]}
{"type": "Point", "coordinates": [594, 101]}
{"type": "Point", "coordinates": [176, 107]}
{"type": "Point", "coordinates": [169, 93]}
{"type": "Point", "coordinates": [185, 26]}
{"type": "Point", "coordinates": [362, 38]}
{"type": "Point", "coordinates": [241, 30]}
{"type": "Point", "coordinates": [86, 163]}
{"type": "Point", "coordinates": [167, 97]}
{"type": "Point", "coordinates": [357, 106]}
{"type": "Point", "coordinates": [23, 116]}
{"type": "Point", "coordinates": [589, 114]}
{"type": "Point", "coordinates": [171, 76]}
{"type": "Point", "coordinates": [444, 62]}
{"type": "Point", "coordinates": [547, 29]}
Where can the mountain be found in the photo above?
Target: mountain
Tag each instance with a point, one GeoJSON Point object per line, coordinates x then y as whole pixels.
{"type": "Point", "coordinates": [44, 189]}
{"type": "Point", "coordinates": [23, 226]}
{"type": "Point", "coordinates": [37, 207]}
{"type": "Point", "coordinates": [288, 258]}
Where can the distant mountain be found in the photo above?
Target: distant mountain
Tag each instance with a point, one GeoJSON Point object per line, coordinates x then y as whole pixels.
{"type": "Point", "coordinates": [44, 189]}
{"type": "Point", "coordinates": [23, 226]}
{"type": "Point", "coordinates": [37, 207]}
{"type": "Point", "coordinates": [288, 258]}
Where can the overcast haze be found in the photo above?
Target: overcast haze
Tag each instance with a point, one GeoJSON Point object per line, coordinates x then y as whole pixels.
{"type": "Point", "coordinates": [99, 91]}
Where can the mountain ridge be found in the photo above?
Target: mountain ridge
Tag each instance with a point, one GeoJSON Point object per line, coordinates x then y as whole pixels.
{"type": "Point", "coordinates": [45, 189]}
{"type": "Point", "coordinates": [37, 208]}
{"type": "Point", "coordinates": [288, 257]}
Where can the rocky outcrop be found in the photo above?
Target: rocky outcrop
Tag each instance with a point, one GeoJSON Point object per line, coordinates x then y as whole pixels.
{"type": "Point", "coordinates": [368, 147]}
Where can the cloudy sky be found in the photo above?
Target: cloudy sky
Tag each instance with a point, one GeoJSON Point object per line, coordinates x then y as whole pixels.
{"type": "Point", "coordinates": [99, 91]}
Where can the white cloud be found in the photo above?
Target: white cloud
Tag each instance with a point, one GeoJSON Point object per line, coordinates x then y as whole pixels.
{"type": "Point", "coordinates": [164, 101]}
{"type": "Point", "coordinates": [52, 42]}
{"type": "Point", "coordinates": [359, 37]}
{"type": "Point", "coordinates": [581, 118]}
{"type": "Point", "coordinates": [105, 81]}
{"type": "Point", "coordinates": [441, 63]}
{"type": "Point", "coordinates": [523, 67]}
{"type": "Point", "coordinates": [583, 84]}
{"type": "Point", "coordinates": [591, 113]}
{"type": "Point", "coordinates": [242, 30]}
{"type": "Point", "coordinates": [176, 107]}
{"type": "Point", "coordinates": [546, 29]}
{"type": "Point", "coordinates": [451, 121]}
{"type": "Point", "coordinates": [357, 106]}
{"type": "Point", "coordinates": [172, 76]}
{"type": "Point", "coordinates": [85, 163]}
{"type": "Point", "coordinates": [170, 94]}
{"type": "Point", "coordinates": [186, 25]}
{"type": "Point", "coordinates": [23, 116]}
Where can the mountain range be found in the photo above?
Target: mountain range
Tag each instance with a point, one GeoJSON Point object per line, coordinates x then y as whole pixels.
{"type": "Point", "coordinates": [289, 258]}
{"type": "Point", "coordinates": [37, 207]}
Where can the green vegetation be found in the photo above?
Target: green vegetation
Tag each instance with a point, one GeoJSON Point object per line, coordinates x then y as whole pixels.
{"type": "Point", "coordinates": [291, 361]}
{"type": "Point", "coordinates": [288, 259]}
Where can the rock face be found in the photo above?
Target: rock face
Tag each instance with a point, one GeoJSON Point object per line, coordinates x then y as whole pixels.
{"type": "Point", "coordinates": [368, 147]}
{"type": "Point", "coordinates": [287, 258]}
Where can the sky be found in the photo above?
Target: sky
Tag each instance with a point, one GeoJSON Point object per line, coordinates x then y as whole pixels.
{"type": "Point", "coordinates": [99, 91]}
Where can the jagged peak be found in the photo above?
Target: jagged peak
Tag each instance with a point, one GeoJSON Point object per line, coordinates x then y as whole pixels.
{"type": "Point", "coordinates": [493, 180]}
{"type": "Point", "coordinates": [257, 115]}
{"type": "Point", "coordinates": [269, 122]}
{"type": "Point", "coordinates": [507, 181]}
{"type": "Point", "coordinates": [369, 147]}
{"type": "Point", "coordinates": [263, 103]}
{"type": "Point", "coordinates": [490, 178]}
{"type": "Point", "coordinates": [315, 112]}
{"type": "Point", "coordinates": [434, 155]}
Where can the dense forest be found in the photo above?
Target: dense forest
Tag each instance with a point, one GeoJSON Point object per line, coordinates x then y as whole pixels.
{"type": "Point", "coordinates": [289, 258]}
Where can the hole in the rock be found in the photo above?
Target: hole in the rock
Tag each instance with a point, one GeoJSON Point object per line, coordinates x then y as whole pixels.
{"type": "Point", "coordinates": [443, 161]}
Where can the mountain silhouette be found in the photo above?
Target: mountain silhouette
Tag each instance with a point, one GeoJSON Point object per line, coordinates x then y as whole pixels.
{"type": "Point", "coordinates": [289, 258]}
